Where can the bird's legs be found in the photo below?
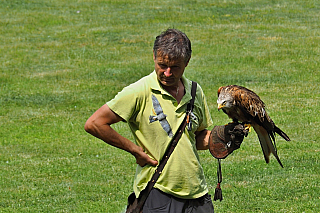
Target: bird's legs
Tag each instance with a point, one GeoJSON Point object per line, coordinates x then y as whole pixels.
{"type": "Point", "coordinates": [247, 126]}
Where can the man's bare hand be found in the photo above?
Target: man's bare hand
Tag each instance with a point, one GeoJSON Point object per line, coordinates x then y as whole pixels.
{"type": "Point", "coordinates": [143, 159]}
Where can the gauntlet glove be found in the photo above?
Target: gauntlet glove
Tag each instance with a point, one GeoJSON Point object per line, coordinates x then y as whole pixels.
{"type": "Point", "coordinates": [225, 139]}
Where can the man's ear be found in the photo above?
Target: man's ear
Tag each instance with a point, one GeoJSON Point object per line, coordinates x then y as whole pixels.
{"type": "Point", "coordinates": [154, 57]}
{"type": "Point", "coordinates": [188, 62]}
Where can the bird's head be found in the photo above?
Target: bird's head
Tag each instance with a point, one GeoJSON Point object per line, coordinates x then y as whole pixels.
{"type": "Point", "coordinates": [225, 100]}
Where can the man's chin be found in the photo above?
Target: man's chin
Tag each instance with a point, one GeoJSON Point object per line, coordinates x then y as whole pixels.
{"type": "Point", "coordinates": [168, 83]}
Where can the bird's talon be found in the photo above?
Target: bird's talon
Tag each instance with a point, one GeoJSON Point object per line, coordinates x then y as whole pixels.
{"type": "Point", "coordinates": [247, 127]}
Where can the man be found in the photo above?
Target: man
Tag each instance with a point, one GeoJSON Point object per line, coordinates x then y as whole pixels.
{"type": "Point", "coordinates": [181, 186]}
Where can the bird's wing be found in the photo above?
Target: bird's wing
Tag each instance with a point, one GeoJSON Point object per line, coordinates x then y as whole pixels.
{"type": "Point", "coordinates": [250, 103]}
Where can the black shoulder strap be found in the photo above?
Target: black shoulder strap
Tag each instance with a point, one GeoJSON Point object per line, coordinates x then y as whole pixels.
{"type": "Point", "coordinates": [193, 95]}
{"type": "Point", "coordinates": [144, 194]}
{"type": "Point", "coordinates": [191, 105]}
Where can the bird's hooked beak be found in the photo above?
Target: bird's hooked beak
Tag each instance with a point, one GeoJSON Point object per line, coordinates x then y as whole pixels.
{"type": "Point", "coordinates": [220, 106]}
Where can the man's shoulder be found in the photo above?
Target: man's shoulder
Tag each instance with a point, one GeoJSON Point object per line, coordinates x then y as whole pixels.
{"type": "Point", "coordinates": [141, 85]}
{"type": "Point", "coordinates": [188, 84]}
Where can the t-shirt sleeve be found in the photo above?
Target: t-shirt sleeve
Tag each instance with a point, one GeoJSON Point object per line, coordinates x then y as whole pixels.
{"type": "Point", "coordinates": [125, 103]}
{"type": "Point", "coordinates": [206, 118]}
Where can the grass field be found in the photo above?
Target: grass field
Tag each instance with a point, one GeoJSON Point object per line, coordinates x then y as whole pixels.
{"type": "Point", "coordinates": [61, 60]}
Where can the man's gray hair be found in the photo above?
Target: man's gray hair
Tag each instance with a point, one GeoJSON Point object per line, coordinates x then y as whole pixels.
{"type": "Point", "coordinates": [174, 44]}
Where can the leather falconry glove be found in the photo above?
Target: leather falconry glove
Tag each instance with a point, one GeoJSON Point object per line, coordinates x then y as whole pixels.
{"type": "Point", "coordinates": [225, 139]}
{"type": "Point", "coordinates": [222, 142]}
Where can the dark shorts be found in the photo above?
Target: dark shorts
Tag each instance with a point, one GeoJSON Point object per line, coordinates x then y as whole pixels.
{"type": "Point", "coordinates": [160, 202]}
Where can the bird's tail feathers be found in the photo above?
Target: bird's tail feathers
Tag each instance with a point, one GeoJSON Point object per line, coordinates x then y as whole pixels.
{"type": "Point", "coordinates": [266, 144]}
{"type": "Point", "coordinates": [281, 133]}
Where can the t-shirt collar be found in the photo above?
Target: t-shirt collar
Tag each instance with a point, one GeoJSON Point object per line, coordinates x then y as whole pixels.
{"type": "Point", "coordinates": [155, 85]}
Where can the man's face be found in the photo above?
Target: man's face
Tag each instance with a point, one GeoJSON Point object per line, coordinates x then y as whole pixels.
{"type": "Point", "coordinates": [168, 71]}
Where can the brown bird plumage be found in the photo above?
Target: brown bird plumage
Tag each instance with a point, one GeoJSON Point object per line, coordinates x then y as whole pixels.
{"type": "Point", "coordinates": [243, 105]}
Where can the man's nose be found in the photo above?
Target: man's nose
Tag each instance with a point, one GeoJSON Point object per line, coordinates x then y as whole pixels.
{"type": "Point", "coordinates": [168, 72]}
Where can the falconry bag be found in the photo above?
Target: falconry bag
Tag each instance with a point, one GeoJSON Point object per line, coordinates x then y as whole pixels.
{"type": "Point", "coordinates": [135, 205]}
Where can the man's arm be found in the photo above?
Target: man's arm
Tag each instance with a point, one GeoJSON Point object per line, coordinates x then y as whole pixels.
{"type": "Point", "coordinates": [99, 125]}
{"type": "Point", "coordinates": [202, 139]}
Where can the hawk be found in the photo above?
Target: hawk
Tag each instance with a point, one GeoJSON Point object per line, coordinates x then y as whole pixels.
{"type": "Point", "coordinates": [243, 105]}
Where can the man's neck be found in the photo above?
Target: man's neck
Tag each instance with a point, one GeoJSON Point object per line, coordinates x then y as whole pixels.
{"type": "Point", "coordinates": [176, 91]}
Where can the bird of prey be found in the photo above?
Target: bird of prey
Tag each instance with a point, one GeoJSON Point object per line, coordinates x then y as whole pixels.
{"type": "Point", "coordinates": [243, 105]}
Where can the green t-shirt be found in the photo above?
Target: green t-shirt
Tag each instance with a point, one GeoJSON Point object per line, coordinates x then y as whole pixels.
{"type": "Point", "coordinates": [183, 175]}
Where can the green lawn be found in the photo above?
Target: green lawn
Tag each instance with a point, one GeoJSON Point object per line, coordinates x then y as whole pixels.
{"type": "Point", "coordinates": [61, 60]}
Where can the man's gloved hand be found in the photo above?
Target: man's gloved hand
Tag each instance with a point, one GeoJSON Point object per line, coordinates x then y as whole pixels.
{"type": "Point", "coordinates": [227, 138]}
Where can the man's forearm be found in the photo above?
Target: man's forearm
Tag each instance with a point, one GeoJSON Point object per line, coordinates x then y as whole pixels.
{"type": "Point", "coordinates": [106, 133]}
{"type": "Point", "coordinates": [202, 139]}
